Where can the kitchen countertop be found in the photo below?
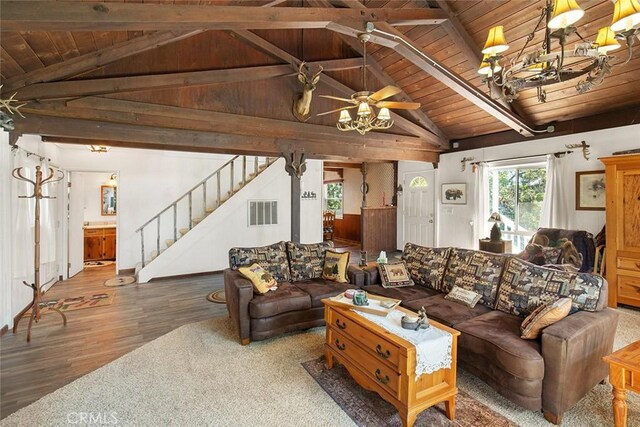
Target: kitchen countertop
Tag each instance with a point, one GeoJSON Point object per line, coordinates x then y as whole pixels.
{"type": "Point", "coordinates": [90, 227]}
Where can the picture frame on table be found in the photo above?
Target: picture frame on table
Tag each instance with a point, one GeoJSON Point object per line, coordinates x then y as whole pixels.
{"type": "Point", "coordinates": [590, 191]}
{"type": "Point", "coordinates": [454, 194]}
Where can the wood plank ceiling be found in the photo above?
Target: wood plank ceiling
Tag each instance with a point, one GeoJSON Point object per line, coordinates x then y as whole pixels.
{"type": "Point", "coordinates": [453, 116]}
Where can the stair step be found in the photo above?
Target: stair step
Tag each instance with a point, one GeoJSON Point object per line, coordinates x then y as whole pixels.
{"type": "Point", "coordinates": [183, 231]}
{"type": "Point", "coordinates": [154, 255]}
{"type": "Point", "coordinates": [209, 210]}
{"type": "Point", "coordinates": [169, 242]}
{"type": "Point", "coordinates": [196, 220]}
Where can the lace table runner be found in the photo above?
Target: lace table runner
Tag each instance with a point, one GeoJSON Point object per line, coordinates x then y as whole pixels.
{"type": "Point", "coordinates": [433, 345]}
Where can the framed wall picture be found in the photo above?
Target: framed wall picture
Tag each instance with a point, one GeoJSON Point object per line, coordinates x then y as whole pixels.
{"type": "Point", "coordinates": [454, 194]}
{"type": "Point", "coordinates": [590, 191]}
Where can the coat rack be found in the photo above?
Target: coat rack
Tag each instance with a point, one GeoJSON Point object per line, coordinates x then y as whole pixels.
{"type": "Point", "coordinates": [37, 292]}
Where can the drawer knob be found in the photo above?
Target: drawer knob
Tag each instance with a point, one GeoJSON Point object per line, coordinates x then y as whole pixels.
{"type": "Point", "coordinates": [340, 324]}
{"type": "Point", "coordinates": [384, 355]}
{"type": "Point", "coordinates": [341, 346]}
{"type": "Point", "coordinates": [384, 380]}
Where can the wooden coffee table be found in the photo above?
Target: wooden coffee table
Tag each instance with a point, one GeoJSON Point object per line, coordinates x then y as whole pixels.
{"type": "Point", "coordinates": [385, 363]}
{"type": "Point", "coordinates": [624, 373]}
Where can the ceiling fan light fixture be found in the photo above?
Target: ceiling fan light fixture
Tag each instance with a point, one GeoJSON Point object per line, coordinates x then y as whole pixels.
{"type": "Point", "coordinates": [485, 67]}
{"type": "Point", "coordinates": [364, 109]}
{"type": "Point", "coordinates": [565, 13]}
{"type": "Point", "coordinates": [345, 117]}
{"type": "Point", "coordinates": [496, 42]}
{"type": "Point", "coordinates": [384, 114]}
{"type": "Point", "coordinates": [606, 40]}
{"type": "Point", "coordinates": [626, 15]}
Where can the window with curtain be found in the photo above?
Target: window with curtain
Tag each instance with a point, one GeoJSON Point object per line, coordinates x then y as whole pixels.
{"type": "Point", "coordinates": [333, 198]}
{"type": "Point", "coordinates": [517, 193]}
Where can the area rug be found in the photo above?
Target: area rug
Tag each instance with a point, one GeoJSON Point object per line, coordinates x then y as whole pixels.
{"type": "Point", "coordinates": [217, 297]}
{"type": "Point", "coordinates": [94, 264]}
{"type": "Point", "coordinates": [368, 409]}
{"type": "Point", "coordinates": [100, 299]}
{"type": "Point", "coordinates": [120, 281]}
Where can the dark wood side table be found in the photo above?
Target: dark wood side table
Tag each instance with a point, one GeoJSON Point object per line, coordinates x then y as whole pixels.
{"type": "Point", "coordinates": [501, 247]}
{"type": "Point", "coordinates": [624, 374]}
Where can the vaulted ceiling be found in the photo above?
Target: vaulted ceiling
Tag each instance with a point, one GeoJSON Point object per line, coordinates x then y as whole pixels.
{"type": "Point", "coordinates": [201, 78]}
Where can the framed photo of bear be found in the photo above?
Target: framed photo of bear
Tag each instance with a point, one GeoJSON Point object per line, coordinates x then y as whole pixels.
{"type": "Point", "coordinates": [454, 194]}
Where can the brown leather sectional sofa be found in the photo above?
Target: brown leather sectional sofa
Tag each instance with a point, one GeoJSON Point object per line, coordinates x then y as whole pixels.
{"type": "Point", "coordinates": [550, 374]}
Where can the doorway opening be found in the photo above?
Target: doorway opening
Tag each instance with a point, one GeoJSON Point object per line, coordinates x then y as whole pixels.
{"type": "Point", "coordinates": [341, 204]}
{"type": "Point", "coordinates": [93, 221]}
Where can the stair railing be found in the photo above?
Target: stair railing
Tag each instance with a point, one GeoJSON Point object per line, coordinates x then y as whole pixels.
{"type": "Point", "coordinates": [230, 165]}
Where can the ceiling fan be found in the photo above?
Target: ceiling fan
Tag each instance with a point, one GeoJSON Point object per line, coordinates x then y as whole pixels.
{"type": "Point", "coordinates": [364, 101]}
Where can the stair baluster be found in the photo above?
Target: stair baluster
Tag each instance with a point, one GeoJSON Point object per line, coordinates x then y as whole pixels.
{"type": "Point", "coordinates": [175, 222]}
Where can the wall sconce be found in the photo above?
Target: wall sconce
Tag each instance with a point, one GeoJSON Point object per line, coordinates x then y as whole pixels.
{"type": "Point", "coordinates": [113, 180]}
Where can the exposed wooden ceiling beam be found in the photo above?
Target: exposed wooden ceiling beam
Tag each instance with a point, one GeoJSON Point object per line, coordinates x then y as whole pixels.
{"type": "Point", "coordinates": [93, 60]}
{"type": "Point", "coordinates": [275, 52]}
{"type": "Point", "coordinates": [619, 118]}
{"type": "Point", "coordinates": [408, 49]}
{"type": "Point", "coordinates": [207, 141]}
{"type": "Point", "coordinates": [90, 16]}
{"type": "Point", "coordinates": [386, 80]}
{"type": "Point", "coordinates": [74, 88]}
{"type": "Point", "coordinates": [130, 112]}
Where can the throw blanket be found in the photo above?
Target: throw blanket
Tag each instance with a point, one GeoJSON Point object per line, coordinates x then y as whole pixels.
{"type": "Point", "coordinates": [433, 345]}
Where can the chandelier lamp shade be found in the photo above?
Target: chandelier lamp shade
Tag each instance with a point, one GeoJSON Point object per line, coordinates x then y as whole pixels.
{"type": "Point", "coordinates": [544, 65]}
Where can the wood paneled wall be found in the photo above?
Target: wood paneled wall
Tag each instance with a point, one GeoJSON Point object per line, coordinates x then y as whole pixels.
{"type": "Point", "coordinates": [379, 229]}
{"type": "Point", "coordinates": [347, 228]}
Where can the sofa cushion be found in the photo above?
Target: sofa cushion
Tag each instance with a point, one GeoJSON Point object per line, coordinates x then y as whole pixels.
{"type": "Point", "coordinates": [496, 335]}
{"type": "Point", "coordinates": [336, 265]}
{"type": "Point", "coordinates": [272, 258]}
{"type": "Point", "coordinates": [444, 311]}
{"type": "Point", "coordinates": [307, 261]}
{"type": "Point", "coordinates": [543, 316]}
{"type": "Point", "coordinates": [477, 271]}
{"type": "Point", "coordinates": [525, 286]}
{"type": "Point", "coordinates": [426, 265]}
{"type": "Point", "coordinates": [404, 294]}
{"type": "Point", "coordinates": [286, 298]}
{"type": "Point", "coordinates": [322, 288]}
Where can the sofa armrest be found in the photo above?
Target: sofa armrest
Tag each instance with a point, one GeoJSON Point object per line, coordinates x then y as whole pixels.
{"type": "Point", "coordinates": [372, 276]}
{"type": "Point", "coordinates": [356, 276]}
{"type": "Point", "coordinates": [238, 293]}
{"type": "Point", "coordinates": [572, 350]}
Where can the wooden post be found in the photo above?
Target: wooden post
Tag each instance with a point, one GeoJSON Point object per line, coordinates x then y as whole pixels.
{"type": "Point", "coordinates": [295, 166]}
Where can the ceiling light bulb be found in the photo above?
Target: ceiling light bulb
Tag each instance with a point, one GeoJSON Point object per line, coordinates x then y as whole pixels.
{"type": "Point", "coordinates": [345, 117]}
{"type": "Point", "coordinates": [565, 13]}
{"type": "Point", "coordinates": [485, 67]}
{"type": "Point", "coordinates": [363, 109]}
{"type": "Point", "coordinates": [496, 42]}
{"type": "Point", "coordinates": [626, 15]}
{"type": "Point", "coordinates": [384, 114]}
{"type": "Point", "coordinates": [606, 40]}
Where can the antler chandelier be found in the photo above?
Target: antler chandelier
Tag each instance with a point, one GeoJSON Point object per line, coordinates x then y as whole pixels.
{"type": "Point", "coordinates": [544, 67]}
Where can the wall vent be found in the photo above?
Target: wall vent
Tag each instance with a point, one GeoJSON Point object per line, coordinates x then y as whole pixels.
{"type": "Point", "coordinates": [263, 212]}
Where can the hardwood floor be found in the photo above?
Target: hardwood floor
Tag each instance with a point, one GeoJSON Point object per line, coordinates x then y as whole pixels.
{"type": "Point", "coordinates": [96, 336]}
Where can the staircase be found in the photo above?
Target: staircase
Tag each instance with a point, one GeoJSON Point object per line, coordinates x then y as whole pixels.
{"type": "Point", "coordinates": [183, 215]}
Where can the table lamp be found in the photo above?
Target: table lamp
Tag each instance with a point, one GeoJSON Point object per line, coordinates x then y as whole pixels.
{"type": "Point", "coordinates": [496, 234]}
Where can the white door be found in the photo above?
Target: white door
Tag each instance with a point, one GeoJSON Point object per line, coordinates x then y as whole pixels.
{"type": "Point", "coordinates": [418, 207]}
{"type": "Point", "coordinates": [76, 222]}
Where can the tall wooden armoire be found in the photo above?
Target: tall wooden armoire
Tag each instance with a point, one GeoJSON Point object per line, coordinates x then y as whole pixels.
{"type": "Point", "coordinates": [623, 229]}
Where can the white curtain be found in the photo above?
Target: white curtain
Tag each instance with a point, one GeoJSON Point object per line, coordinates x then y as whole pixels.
{"type": "Point", "coordinates": [555, 210]}
{"type": "Point", "coordinates": [48, 228]}
{"type": "Point", "coordinates": [6, 233]}
{"type": "Point", "coordinates": [481, 203]}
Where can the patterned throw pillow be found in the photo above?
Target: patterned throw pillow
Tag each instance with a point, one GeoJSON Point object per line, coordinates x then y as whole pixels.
{"type": "Point", "coordinates": [394, 275]}
{"type": "Point", "coordinates": [272, 258]}
{"type": "Point", "coordinates": [426, 265]}
{"type": "Point", "coordinates": [480, 272]}
{"type": "Point", "coordinates": [262, 281]}
{"type": "Point", "coordinates": [307, 261]}
{"type": "Point", "coordinates": [524, 287]}
{"type": "Point", "coordinates": [543, 316]}
{"type": "Point", "coordinates": [335, 266]}
{"type": "Point", "coordinates": [463, 296]}
{"type": "Point", "coordinates": [586, 291]}
{"type": "Point", "coordinates": [458, 260]}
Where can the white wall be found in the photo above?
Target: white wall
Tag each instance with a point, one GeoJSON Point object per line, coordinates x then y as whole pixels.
{"type": "Point", "coordinates": [455, 220]}
{"type": "Point", "coordinates": [206, 247]}
{"type": "Point", "coordinates": [92, 196]}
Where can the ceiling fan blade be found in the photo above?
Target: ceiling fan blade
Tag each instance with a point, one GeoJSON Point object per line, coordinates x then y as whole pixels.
{"type": "Point", "coordinates": [398, 105]}
{"type": "Point", "coordinates": [384, 93]}
{"type": "Point", "coordinates": [337, 98]}
{"type": "Point", "coordinates": [336, 110]}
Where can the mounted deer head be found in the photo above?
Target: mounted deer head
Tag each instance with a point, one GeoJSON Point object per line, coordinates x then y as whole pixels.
{"type": "Point", "coordinates": [6, 121]}
{"type": "Point", "coordinates": [302, 103]}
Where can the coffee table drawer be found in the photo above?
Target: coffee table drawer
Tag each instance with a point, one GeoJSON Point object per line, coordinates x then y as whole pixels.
{"type": "Point", "coordinates": [382, 374]}
{"type": "Point", "coordinates": [382, 349]}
